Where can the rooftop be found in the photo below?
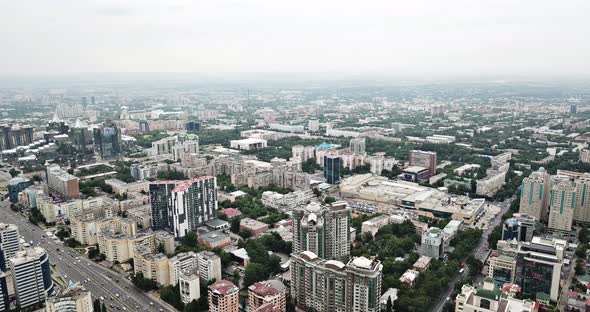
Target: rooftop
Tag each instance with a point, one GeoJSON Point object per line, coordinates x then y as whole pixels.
{"type": "Point", "coordinates": [223, 287]}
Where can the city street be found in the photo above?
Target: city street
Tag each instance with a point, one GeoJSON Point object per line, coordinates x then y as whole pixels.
{"type": "Point", "coordinates": [480, 252]}
{"type": "Point", "coordinates": [118, 292]}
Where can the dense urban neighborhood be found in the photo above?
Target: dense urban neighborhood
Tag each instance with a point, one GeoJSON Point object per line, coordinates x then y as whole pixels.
{"type": "Point", "coordinates": [240, 197]}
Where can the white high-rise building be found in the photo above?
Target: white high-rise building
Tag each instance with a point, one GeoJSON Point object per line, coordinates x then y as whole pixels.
{"type": "Point", "coordinates": [562, 204]}
{"type": "Point", "coordinates": [31, 274]}
{"type": "Point", "coordinates": [9, 244]}
{"type": "Point", "coordinates": [432, 243]}
{"type": "Point", "coordinates": [209, 266]}
{"type": "Point", "coordinates": [179, 263]}
{"type": "Point", "coordinates": [189, 286]}
{"type": "Point", "coordinates": [534, 194]}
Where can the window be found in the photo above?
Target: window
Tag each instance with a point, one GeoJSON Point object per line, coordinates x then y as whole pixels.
{"type": "Point", "coordinates": [485, 304]}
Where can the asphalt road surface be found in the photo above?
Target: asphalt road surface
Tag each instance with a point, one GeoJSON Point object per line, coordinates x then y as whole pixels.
{"type": "Point", "coordinates": [119, 293]}
{"type": "Point", "coordinates": [479, 252]}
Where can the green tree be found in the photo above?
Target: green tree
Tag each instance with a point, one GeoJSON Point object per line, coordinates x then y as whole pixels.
{"type": "Point", "coordinates": [190, 239]}
{"type": "Point", "coordinates": [171, 295]}
{"type": "Point", "coordinates": [245, 234]}
{"type": "Point", "coordinates": [13, 172]}
{"type": "Point", "coordinates": [583, 235]}
{"type": "Point", "coordinates": [255, 272]}
{"type": "Point", "coordinates": [143, 283]}
{"type": "Point", "coordinates": [329, 200]}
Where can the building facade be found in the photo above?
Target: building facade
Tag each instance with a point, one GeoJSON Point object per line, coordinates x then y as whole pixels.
{"type": "Point", "coordinates": [534, 194]}
{"type": "Point", "coordinates": [182, 206]}
{"type": "Point", "coordinates": [31, 275]}
{"type": "Point", "coordinates": [332, 166]}
{"type": "Point", "coordinates": [330, 285]}
{"type": "Point", "coordinates": [223, 296]}
{"type": "Point", "coordinates": [424, 159]}
{"type": "Point", "coordinates": [323, 230]}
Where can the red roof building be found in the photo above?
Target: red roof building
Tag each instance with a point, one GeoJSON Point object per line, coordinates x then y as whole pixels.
{"type": "Point", "coordinates": [223, 297]}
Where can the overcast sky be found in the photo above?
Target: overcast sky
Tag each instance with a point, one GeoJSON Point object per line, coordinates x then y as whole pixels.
{"type": "Point", "coordinates": [409, 38]}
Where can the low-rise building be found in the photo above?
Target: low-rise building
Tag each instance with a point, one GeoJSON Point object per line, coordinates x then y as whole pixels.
{"type": "Point", "coordinates": [409, 277]}
{"type": "Point", "coordinates": [254, 226]}
{"type": "Point", "coordinates": [422, 264]}
{"type": "Point", "coordinates": [489, 298]}
{"type": "Point", "coordinates": [71, 299]}
{"type": "Point", "coordinates": [248, 144]}
{"type": "Point", "coordinates": [214, 239]}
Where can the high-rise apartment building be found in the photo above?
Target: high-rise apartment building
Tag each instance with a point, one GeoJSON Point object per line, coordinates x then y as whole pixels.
{"type": "Point", "coordinates": [31, 276]}
{"type": "Point", "coordinates": [332, 165]}
{"type": "Point", "coordinates": [107, 141]}
{"type": "Point", "coordinates": [363, 284]}
{"type": "Point", "coordinates": [534, 194]}
{"type": "Point", "coordinates": [267, 292]}
{"type": "Point", "coordinates": [323, 230]}
{"type": "Point", "coordinates": [223, 296]}
{"type": "Point", "coordinates": [358, 145]}
{"type": "Point", "coordinates": [181, 262]}
{"type": "Point", "coordinates": [582, 210]}
{"type": "Point", "coordinates": [432, 243]}
{"type": "Point", "coordinates": [182, 206]}
{"type": "Point", "coordinates": [209, 266]}
{"type": "Point", "coordinates": [424, 159]}
{"type": "Point", "coordinates": [562, 204]}
{"type": "Point", "coordinates": [9, 244]}
{"type": "Point", "coordinates": [189, 286]}
{"type": "Point", "coordinates": [585, 156]}
{"type": "Point", "coordinates": [330, 285]}
{"type": "Point", "coordinates": [61, 182]}
{"type": "Point", "coordinates": [538, 266]}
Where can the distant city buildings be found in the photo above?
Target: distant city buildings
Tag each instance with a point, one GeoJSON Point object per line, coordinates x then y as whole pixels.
{"type": "Point", "coordinates": [107, 141]}
{"type": "Point", "coordinates": [14, 136]}
{"type": "Point", "coordinates": [424, 159]}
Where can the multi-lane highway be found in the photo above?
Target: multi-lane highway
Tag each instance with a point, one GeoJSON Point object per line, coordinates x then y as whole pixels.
{"type": "Point", "coordinates": [119, 293]}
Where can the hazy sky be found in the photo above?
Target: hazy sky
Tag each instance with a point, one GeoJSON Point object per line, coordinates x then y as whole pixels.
{"type": "Point", "coordinates": [437, 38]}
